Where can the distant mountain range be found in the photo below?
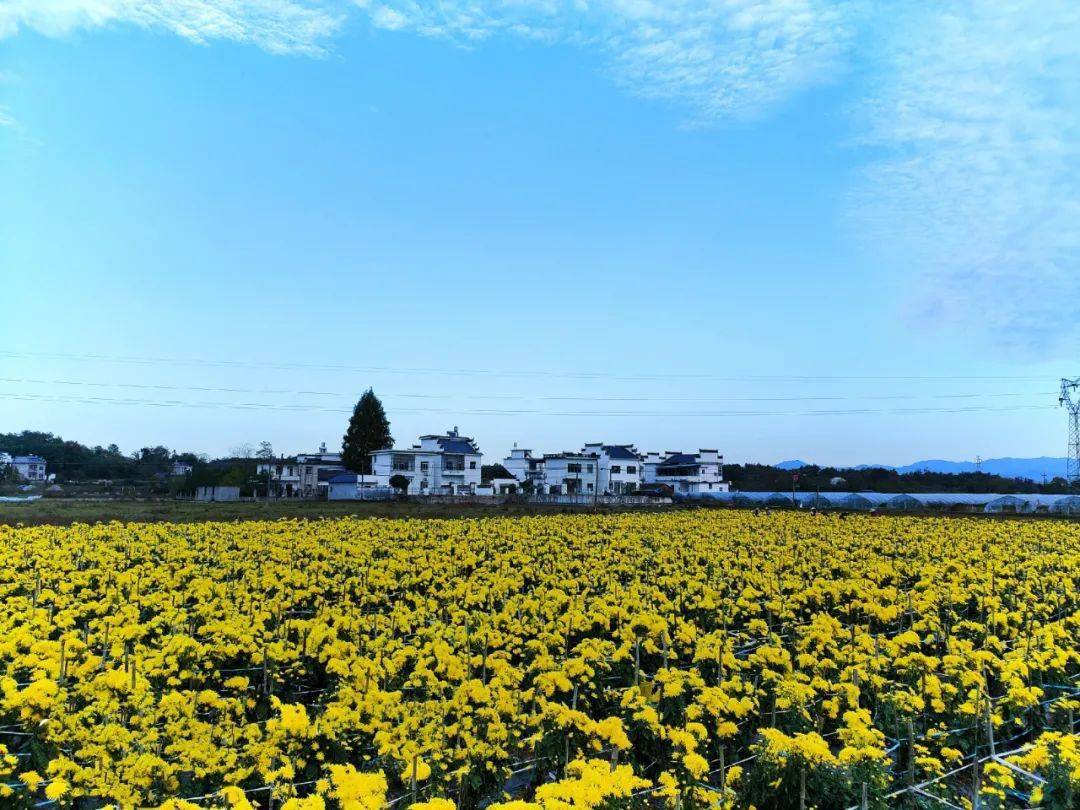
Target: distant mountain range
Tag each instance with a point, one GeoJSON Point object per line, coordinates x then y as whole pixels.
{"type": "Point", "coordinates": [1033, 468]}
{"type": "Point", "coordinates": [794, 464]}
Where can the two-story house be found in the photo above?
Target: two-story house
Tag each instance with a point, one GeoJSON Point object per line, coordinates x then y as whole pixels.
{"type": "Point", "coordinates": [686, 473]}
{"type": "Point", "coordinates": [599, 469]}
{"type": "Point", "coordinates": [446, 464]}
{"type": "Point", "coordinates": [28, 468]}
{"type": "Point", "coordinates": [316, 470]}
{"type": "Point", "coordinates": [618, 467]}
{"type": "Point", "coordinates": [526, 468]}
{"type": "Point", "coordinates": [570, 474]}
{"type": "Point", "coordinates": [283, 476]}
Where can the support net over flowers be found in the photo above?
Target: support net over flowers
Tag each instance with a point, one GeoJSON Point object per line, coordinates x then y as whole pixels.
{"type": "Point", "coordinates": [712, 658]}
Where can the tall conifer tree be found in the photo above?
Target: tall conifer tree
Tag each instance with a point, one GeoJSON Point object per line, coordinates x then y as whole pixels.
{"type": "Point", "coordinates": [368, 431]}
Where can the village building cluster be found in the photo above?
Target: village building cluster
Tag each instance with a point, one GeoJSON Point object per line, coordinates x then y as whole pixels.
{"type": "Point", "coordinates": [452, 464]}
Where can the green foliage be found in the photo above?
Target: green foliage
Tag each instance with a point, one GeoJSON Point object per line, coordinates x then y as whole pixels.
{"type": "Point", "coordinates": [368, 430]}
{"type": "Point", "coordinates": [763, 478]}
{"type": "Point", "coordinates": [72, 461]}
{"type": "Point", "coordinates": [399, 482]}
{"type": "Point", "coordinates": [489, 472]}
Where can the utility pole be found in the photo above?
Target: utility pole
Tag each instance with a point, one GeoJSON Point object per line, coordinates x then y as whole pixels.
{"type": "Point", "coordinates": [1070, 400]}
{"type": "Point", "coordinates": [978, 463]}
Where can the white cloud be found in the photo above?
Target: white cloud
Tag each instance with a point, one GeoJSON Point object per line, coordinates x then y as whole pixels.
{"type": "Point", "coordinates": [723, 58]}
{"type": "Point", "coordinates": [278, 26]}
{"type": "Point", "coordinates": [972, 108]}
{"type": "Point", "coordinates": [978, 109]}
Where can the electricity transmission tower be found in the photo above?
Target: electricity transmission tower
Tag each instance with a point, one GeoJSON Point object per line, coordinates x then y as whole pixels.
{"type": "Point", "coordinates": [1070, 400]}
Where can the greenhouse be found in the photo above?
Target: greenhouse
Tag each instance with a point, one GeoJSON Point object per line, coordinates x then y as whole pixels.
{"type": "Point", "coordinates": [908, 502]}
{"type": "Point", "coordinates": [1066, 505]}
{"type": "Point", "coordinates": [955, 501]}
{"type": "Point", "coordinates": [903, 502]}
{"type": "Point", "coordinates": [854, 500]}
{"type": "Point", "coordinates": [1018, 504]}
{"type": "Point", "coordinates": [1030, 503]}
{"type": "Point", "coordinates": [778, 499]}
{"type": "Point", "coordinates": [810, 500]}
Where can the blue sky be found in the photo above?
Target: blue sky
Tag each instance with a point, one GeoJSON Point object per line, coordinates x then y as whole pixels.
{"type": "Point", "coordinates": [620, 220]}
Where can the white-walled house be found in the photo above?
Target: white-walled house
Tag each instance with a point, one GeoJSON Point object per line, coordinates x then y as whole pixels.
{"type": "Point", "coordinates": [181, 468]}
{"type": "Point", "coordinates": [447, 464]}
{"type": "Point", "coordinates": [599, 469]}
{"type": "Point", "coordinates": [499, 486]}
{"type": "Point", "coordinates": [618, 467]}
{"type": "Point", "coordinates": [316, 469]}
{"type": "Point", "coordinates": [524, 466]}
{"type": "Point", "coordinates": [283, 476]}
{"type": "Point", "coordinates": [569, 474]}
{"type": "Point", "coordinates": [28, 468]}
{"type": "Point", "coordinates": [686, 473]}
{"type": "Point", "coordinates": [346, 487]}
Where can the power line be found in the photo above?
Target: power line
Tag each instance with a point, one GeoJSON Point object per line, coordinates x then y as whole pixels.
{"type": "Point", "coordinates": [517, 373]}
{"type": "Point", "coordinates": [295, 408]}
{"type": "Point", "coordinates": [520, 397]}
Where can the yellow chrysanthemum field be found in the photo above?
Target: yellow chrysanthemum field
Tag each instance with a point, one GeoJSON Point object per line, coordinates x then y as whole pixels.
{"type": "Point", "coordinates": [697, 658]}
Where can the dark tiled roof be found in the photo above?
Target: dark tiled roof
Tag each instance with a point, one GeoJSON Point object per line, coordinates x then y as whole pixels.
{"type": "Point", "coordinates": [327, 475]}
{"type": "Point", "coordinates": [679, 459]}
{"type": "Point", "coordinates": [342, 478]}
{"type": "Point", "coordinates": [620, 451]}
{"type": "Point", "coordinates": [453, 444]}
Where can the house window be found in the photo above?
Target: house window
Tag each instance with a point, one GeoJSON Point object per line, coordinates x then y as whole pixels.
{"type": "Point", "coordinates": [631, 470]}
{"type": "Point", "coordinates": [424, 466]}
{"type": "Point", "coordinates": [453, 463]}
{"type": "Point", "coordinates": [575, 468]}
{"type": "Point", "coordinates": [615, 469]}
{"type": "Point", "coordinates": [589, 487]}
{"type": "Point", "coordinates": [402, 462]}
{"type": "Point", "coordinates": [472, 465]}
{"type": "Point", "coordinates": [588, 468]}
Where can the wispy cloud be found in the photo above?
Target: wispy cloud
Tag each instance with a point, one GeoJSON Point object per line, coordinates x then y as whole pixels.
{"type": "Point", "coordinates": [971, 106]}
{"type": "Point", "coordinates": [977, 106]}
{"type": "Point", "coordinates": [722, 58]}
{"type": "Point", "coordinates": [278, 26]}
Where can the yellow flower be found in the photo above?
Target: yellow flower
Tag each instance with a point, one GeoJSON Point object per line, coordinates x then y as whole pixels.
{"type": "Point", "coordinates": [57, 788]}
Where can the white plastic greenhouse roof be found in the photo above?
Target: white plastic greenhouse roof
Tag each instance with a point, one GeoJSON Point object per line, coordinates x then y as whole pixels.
{"type": "Point", "coordinates": [868, 500]}
{"type": "Point", "coordinates": [953, 498]}
{"type": "Point", "coordinates": [1067, 503]}
{"type": "Point", "coordinates": [1031, 502]}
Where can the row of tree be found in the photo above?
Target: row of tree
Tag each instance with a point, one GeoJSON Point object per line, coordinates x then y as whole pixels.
{"type": "Point", "coordinates": [811, 478]}
{"type": "Point", "coordinates": [369, 430]}
{"type": "Point", "coordinates": [73, 461]}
